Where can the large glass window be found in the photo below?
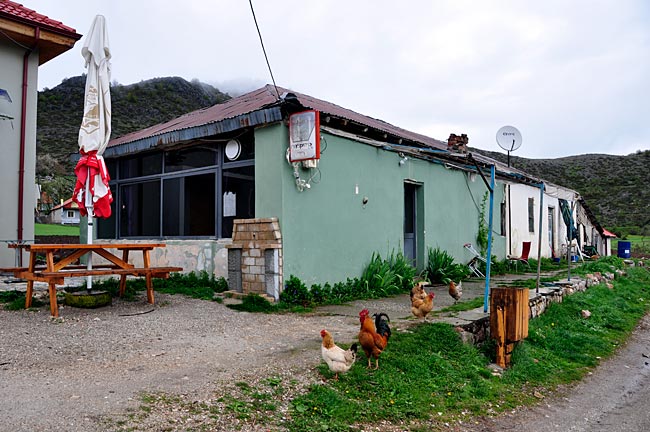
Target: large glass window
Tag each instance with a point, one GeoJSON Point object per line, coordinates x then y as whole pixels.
{"type": "Point", "coordinates": [194, 191]}
{"type": "Point", "coordinates": [192, 157]}
{"type": "Point", "coordinates": [238, 196]}
{"type": "Point", "coordinates": [189, 206]}
{"type": "Point", "coordinates": [140, 209]}
{"type": "Point", "coordinates": [141, 165]}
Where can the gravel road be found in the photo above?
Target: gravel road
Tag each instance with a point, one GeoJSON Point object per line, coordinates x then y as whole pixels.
{"type": "Point", "coordinates": [75, 372]}
{"type": "Point", "coordinates": [86, 371]}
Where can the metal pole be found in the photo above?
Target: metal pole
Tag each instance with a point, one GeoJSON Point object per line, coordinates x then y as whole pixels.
{"type": "Point", "coordinates": [488, 259]}
{"type": "Point", "coordinates": [90, 207]}
{"type": "Point", "coordinates": [539, 240]}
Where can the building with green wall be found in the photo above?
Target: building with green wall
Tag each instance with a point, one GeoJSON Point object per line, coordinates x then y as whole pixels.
{"type": "Point", "coordinates": [219, 187]}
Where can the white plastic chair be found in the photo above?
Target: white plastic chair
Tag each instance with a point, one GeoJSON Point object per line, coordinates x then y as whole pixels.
{"type": "Point", "coordinates": [474, 262]}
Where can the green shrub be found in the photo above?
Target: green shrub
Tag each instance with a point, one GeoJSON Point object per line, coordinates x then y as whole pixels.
{"type": "Point", "coordinates": [381, 278]}
{"type": "Point", "coordinates": [441, 268]}
{"type": "Point", "coordinates": [296, 293]}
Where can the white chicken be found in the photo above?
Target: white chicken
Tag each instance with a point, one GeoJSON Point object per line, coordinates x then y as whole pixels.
{"type": "Point", "coordinates": [338, 359]}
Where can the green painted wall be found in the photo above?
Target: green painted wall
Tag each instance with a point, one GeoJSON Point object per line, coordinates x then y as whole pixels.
{"type": "Point", "coordinates": [330, 235]}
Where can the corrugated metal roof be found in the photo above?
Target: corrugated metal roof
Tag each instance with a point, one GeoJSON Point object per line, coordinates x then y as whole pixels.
{"type": "Point", "coordinates": [257, 107]}
{"type": "Point", "coordinates": [20, 12]}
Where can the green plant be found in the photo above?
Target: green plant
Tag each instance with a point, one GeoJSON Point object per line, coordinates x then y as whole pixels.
{"type": "Point", "coordinates": [483, 231]}
{"type": "Point", "coordinates": [296, 293]}
{"type": "Point", "coordinates": [254, 303]}
{"type": "Point", "coordinates": [201, 285]}
{"type": "Point", "coordinates": [441, 268]}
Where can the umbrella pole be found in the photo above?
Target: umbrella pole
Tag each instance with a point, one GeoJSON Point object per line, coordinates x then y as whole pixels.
{"type": "Point", "coordinates": [89, 236]}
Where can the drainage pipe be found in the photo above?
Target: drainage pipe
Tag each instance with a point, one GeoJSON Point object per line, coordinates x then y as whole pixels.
{"type": "Point", "coordinates": [23, 129]}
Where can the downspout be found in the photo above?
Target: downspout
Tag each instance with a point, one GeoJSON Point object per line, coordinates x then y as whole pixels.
{"type": "Point", "coordinates": [23, 127]}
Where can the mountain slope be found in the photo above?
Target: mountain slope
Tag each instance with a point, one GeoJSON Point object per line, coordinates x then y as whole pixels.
{"type": "Point", "coordinates": [134, 107]}
{"type": "Point", "coordinates": [615, 187]}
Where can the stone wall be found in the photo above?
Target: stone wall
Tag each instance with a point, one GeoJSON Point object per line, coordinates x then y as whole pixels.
{"type": "Point", "coordinates": [255, 257]}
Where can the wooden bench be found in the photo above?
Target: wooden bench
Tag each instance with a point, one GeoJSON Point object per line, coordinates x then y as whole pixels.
{"type": "Point", "coordinates": [55, 271]}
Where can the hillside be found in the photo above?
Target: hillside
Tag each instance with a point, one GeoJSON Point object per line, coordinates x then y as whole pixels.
{"type": "Point", "coordinates": [134, 107]}
{"type": "Point", "coordinates": [615, 187]}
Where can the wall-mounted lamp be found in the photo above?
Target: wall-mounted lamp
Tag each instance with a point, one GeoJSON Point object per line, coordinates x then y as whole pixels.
{"type": "Point", "coordinates": [364, 201]}
{"type": "Point", "coordinates": [402, 159]}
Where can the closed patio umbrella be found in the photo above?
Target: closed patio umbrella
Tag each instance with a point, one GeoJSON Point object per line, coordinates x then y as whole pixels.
{"type": "Point", "coordinates": [92, 192]}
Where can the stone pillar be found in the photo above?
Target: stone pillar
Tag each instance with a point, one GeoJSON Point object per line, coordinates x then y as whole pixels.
{"type": "Point", "coordinates": [234, 269]}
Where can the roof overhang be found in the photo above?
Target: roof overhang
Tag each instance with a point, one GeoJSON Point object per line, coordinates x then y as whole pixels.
{"type": "Point", "coordinates": [175, 137]}
{"type": "Point", "coordinates": [50, 42]}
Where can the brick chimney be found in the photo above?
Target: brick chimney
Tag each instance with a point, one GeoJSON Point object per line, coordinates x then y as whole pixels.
{"type": "Point", "coordinates": [457, 143]}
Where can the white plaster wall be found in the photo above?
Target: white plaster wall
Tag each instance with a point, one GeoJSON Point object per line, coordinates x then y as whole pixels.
{"type": "Point", "coordinates": [518, 222]}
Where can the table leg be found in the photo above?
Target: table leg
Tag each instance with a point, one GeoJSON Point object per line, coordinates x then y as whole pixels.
{"type": "Point", "coordinates": [28, 295]}
{"type": "Point", "coordinates": [125, 258]}
{"type": "Point", "coordinates": [54, 307]}
{"type": "Point", "coordinates": [145, 259]}
{"type": "Point", "coordinates": [30, 283]}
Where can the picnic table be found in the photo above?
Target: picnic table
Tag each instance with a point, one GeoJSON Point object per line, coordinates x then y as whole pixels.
{"type": "Point", "coordinates": [61, 259]}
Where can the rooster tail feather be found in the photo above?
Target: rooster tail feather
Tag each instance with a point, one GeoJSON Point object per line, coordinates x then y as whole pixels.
{"type": "Point", "coordinates": [354, 347]}
{"type": "Point", "coordinates": [381, 324]}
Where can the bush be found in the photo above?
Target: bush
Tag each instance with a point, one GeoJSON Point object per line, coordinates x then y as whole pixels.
{"type": "Point", "coordinates": [381, 278]}
{"type": "Point", "coordinates": [441, 268]}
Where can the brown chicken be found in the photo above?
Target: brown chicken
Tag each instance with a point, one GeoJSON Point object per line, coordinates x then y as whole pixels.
{"type": "Point", "coordinates": [456, 290]}
{"type": "Point", "coordinates": [418, 291]}
{"type": "Point", "coordinates": [420, 307]}
{"type": "Point", "coordinates": [373, 337]}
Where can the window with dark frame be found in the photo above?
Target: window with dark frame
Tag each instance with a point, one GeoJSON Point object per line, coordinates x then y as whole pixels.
{"type": "Point", "coordinates": [174, 193]}
{"type": "Point", "coordinates": [531, 215]}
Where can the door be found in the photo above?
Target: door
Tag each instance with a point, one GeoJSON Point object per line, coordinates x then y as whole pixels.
{"type": "Point", "coordinates": [551, 230]}
{"type": "Point", "coordinates": [410, 222]}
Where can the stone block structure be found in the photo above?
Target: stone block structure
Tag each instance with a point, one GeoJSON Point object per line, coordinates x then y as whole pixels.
{"type": "Point", "coordinates": [255, 257]}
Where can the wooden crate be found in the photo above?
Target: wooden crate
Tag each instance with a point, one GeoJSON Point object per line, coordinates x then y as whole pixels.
{"type": "Point", "coordinates": [509, 314]}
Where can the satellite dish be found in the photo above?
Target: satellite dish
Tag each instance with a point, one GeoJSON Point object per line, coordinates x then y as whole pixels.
{"type": "Point", "coordinates": [509, 139]}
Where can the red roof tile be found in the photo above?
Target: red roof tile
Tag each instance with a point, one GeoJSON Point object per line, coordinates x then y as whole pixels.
{"type": "Point", "coordinates": [20, 12]}
{"type": "Point", "coordinates": [264, 97]}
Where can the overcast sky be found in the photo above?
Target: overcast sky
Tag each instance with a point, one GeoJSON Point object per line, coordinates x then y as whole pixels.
{"type": "Point", "coordinates": [572, 76]}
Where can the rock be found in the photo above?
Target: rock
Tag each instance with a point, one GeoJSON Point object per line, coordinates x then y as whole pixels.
{"type": "Point", "coordinates": [585, 313]}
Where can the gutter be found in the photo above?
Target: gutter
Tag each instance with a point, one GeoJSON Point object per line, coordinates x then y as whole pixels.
{"type": "Point", "coordinates": [23, 127]}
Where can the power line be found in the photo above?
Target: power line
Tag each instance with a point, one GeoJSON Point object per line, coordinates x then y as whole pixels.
{"type": "Point", "coordinates": [263, 49]}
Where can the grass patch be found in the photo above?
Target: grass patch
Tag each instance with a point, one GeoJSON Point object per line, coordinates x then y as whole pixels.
{"type": "Point", "coordinates": [463, 305]}
{"type": "Point", "coordinates": [55, 229]}
{"type": "Point", "coordinates": [15, 300]}
{"type": "Point", "coordinates": [196, 285]}
{"type": "Point", "coordinates": [428, 377]}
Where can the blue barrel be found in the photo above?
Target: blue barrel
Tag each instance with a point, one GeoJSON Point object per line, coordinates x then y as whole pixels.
{"type": "Point", "coordinates": [624, 249]}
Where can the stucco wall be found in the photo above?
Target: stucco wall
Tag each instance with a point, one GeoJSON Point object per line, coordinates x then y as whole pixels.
{"type": "Point", "coordinates": [210, 256]}
{"type": "Point", "coordinates": [11, 73]}
{"type": "Point", "coordinates": [519, 230]}
{"type": "Point", "coordinates": [330, 235]}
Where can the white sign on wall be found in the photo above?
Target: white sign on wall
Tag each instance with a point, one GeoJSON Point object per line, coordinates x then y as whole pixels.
{"type": "Point", "coordinates": [304, 136]}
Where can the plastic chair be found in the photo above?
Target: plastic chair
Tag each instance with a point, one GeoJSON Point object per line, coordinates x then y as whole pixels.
{"type": "Point", "coordinates": [525, 250]}
{"type": "Point", "coordinates": [474, 262]}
